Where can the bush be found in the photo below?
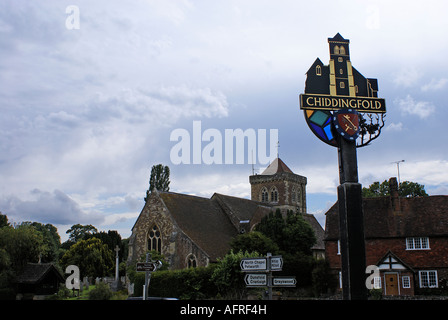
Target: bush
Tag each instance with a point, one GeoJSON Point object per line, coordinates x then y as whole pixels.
{"type": "Point", "coordinates": [102, 291]}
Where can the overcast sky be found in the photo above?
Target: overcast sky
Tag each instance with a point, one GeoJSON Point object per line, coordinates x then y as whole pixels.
{"type": "Point", "coordinates": [87, 110]}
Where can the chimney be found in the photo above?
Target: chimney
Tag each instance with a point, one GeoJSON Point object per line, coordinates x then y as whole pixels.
{"type": "Point", "coordinates": [394, 196]}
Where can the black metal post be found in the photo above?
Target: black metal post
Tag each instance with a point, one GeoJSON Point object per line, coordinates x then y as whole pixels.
{"type": "Point", "coordinates": [351, 224]}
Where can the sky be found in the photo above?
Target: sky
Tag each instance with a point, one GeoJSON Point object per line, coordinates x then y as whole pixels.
{"type": "Point", "coordinates": [92, 91]}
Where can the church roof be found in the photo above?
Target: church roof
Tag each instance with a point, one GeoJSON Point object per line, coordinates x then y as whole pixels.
{"type": "Point", "coordinates": [276, 166]}
{"type": "Point", "coordinates": [202, 220]}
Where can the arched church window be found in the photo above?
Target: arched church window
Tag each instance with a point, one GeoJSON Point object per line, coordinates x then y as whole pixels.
{"type": "Point", "coordinates": [293, 195]}
{"type": "Point", "coordinates": [318, 70]}
{"type": "Point", "coordinates": [336, 50]}
{"type": "Point", "coordinates": [264, 195]}
{"type": "Point", "coordinates": [155, 239]}
{"type": "Point", "coordinates": [191, 261]}
{"type": "Point", "coordinates": [342, 50]}
{"type": "Point", "coordinates": [274, 195]}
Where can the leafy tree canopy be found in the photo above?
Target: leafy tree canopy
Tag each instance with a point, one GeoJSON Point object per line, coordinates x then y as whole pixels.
{"type": "Point", "coordinates": [159, 179]}
{"type": "Point", "coordinates": [92, 256]}
{"type": "Point", "coordinates": [405, 189]}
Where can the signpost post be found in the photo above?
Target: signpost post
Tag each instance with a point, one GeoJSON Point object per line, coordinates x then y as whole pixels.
{"type": "Point", "coordinates": [148, 267]}
{"type": "Point", "coordinates": [264, 266]}
{"type": "Point", "coordinates": [335, 101]}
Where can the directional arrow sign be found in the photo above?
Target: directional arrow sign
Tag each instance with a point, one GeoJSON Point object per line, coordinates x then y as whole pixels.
{"type": "Point", "coordinates": [276, 263]}
{"type": "Point", "coordinates": [253, 264]}
{"type": "Point", "coordinates": [146, 266]}
{"type": "Point", "coordinates": [256, 280]}
{"type": "Point", "coordinates": [284, 281]}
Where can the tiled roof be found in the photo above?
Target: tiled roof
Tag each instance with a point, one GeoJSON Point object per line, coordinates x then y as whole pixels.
{"type": "Point", "coordinates": [202, 220]}
{"type": "Point", "coordinates": [275, 167]}
{"type": "Point", "coordinates": [36, 272]}
{"type": "Point", "coordinates": [418, 216]}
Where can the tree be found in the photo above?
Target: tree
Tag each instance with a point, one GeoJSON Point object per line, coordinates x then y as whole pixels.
{"type": "Point", "coordinates": [405, 189]}
{"type": "Point", "coordinates": [254, 241]}
{"type": "Point", "coordinates": [51, 240]}
{"type": "Point", "coordinates": [228, 277]}
{"type": "Point", "coordinates": [159, 179]}
{"type": "Point", "coordinates": [78, 232]}
{"type": "Point", "coordinates": [3, 220]}
{"type": "Point", "coordinates": [92, 256]}
{"type": "Point", "coordinates": [292, 234]}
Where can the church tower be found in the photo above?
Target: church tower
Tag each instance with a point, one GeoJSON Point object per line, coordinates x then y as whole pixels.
{"type": "Point", "coordinates": [341, 73]}
{"type": "Point", "coordinates": [280, 187]}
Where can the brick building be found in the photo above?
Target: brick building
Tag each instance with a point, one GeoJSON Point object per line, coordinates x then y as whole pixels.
{"type": "Point", "coordinates": [406, 238]}
{"type": "Point", "coordinates": [194, 231]}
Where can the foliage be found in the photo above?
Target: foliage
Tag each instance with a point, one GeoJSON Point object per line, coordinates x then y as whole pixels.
{"type": "Point", "coordinates": [405, 189]}
{"type": "Point", "coordinates": [228, 277]}
{"type": "Point", "coordinates": [102, 291]}
{"type": "Point", "coordinates": [51, 241]}
{"type": "Point", "coordinates": [292, 234]}
{"type": "Point", "coordinates": [253, 241]}
{"type": "Point", "coordinates": [18, 246]}
{"type": "Point", "coordinates": [159, 179]}
{"type": "Point", "coordinates": [322, 279]}
{"type": "Point", "coordinates": [92, 256]}
{"type": "Point", "coordinates": [3, 220]}
{"type": "Point", "coordinates": [78, 232]}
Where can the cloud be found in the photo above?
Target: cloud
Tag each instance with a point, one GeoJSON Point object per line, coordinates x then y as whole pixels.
{"type": "Point", "coordinates": [395, 127]}
{"type": "Point", "coordinates": [410, 106]}
{"type": "Point", "coordinates": [407, 77]}
{"type": "Point", "coordinates": [47, 207]}
{"type": "Point", "coordinates": [435, 85]}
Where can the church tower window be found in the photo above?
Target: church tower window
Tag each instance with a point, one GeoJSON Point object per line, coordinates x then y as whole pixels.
{"type": "Point", "coordinates": [274, 195]}
{"type": "Point", "coordinates": [336, 50]}
{"type": "Point", "coordinates": [264, 195]}
{"type": "Point", "coordinates": [155, 239]}
{"type": "Point", "coordinates": [342, 50]}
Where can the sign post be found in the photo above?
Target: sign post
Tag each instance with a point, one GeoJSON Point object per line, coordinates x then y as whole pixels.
{"type": "Point", "coordinates": [148, 267]}
{"type": "Point", "coordinates": [338, 103]}
{"type": "Point", "coordinates": [265, 266]}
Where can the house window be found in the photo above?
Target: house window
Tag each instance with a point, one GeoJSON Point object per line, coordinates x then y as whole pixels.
{"type": "Point", "coordinates": [274, 195]}
{"type": "Point", "coordinates": [155, 239]}
{"type": "Point", "coordinates": [417, 243]}
{"type": "Point", "coordinates": [264, 195]}
{"type": "Point", "coordinates": [191, 261]}
{"type": "Point", "coordinates": [318, 70]}
{"type": "Point", "coordinates": [428, 279]}
{"type": "Point", "coordinates": [406, 281]}
{"type": "Point", "coordinates": [376, 282]}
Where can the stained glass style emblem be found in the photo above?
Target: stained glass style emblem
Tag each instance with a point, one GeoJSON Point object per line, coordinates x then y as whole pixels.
{"type": "Point", "coordinates": [346, 123]}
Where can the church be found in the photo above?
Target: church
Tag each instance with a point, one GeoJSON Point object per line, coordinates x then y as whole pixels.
{"type": "Point", "coordinates": [191, 231]}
